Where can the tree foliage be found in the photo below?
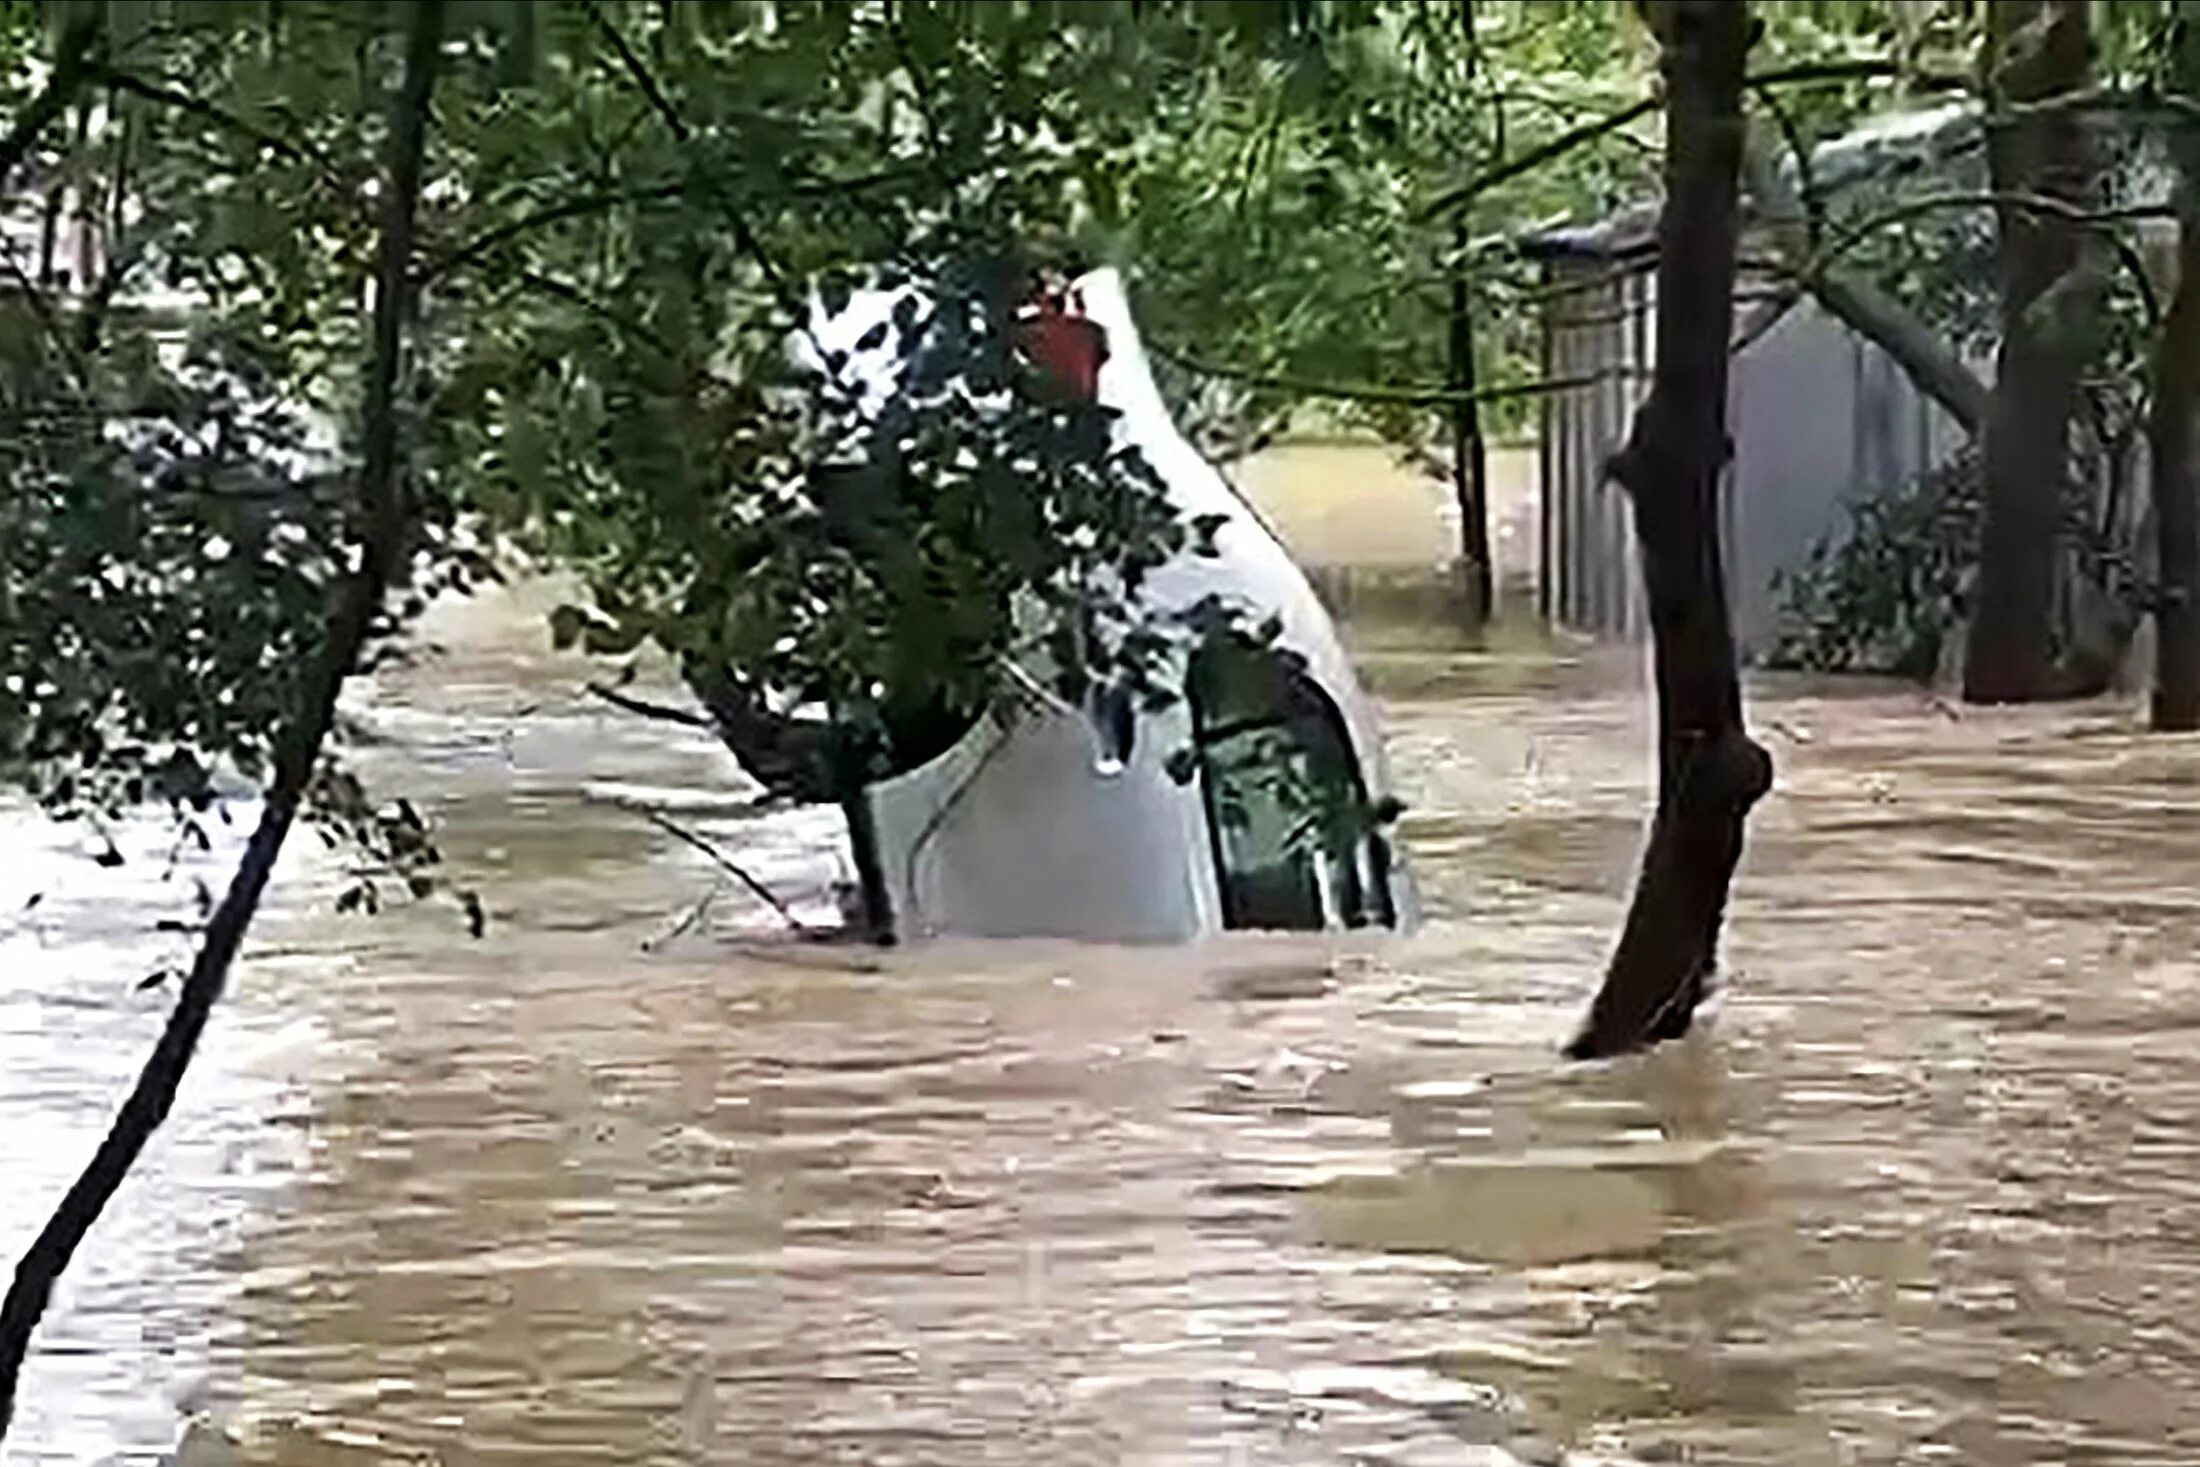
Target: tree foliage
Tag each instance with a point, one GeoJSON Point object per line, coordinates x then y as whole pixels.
{"type": "Point", "coordinates": [1277, 209]}
{"type": "Point", "coordinates": [630, 212]}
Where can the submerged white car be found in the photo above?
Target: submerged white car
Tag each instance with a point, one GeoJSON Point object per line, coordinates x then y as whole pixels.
{"type": "Point", "coordinates": [1060, 824]}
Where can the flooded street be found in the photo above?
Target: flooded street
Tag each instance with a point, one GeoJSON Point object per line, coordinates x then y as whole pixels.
{"type": "Point", "coordinates": [595, 1190]}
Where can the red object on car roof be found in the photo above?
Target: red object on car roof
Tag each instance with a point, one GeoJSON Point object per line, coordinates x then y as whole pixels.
{"type": "Point", "coordinates": [1059, 337]}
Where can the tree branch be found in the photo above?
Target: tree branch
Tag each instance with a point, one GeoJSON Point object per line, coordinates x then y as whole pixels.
{"type": "Point", "coordinates": [687, 919]}
{"type": "Point", "coordinates": [1411, 396]}
{"type": "Point", "coordinates": [2099, 99]}
{"type": "Point", "coordinates": [733, 868]}
{"type": "Point", "coordinates": [905, 54]}
{"type": "Point", "coordinates": [1508, 169]}
{"type": "Point", "coordinates": [1932, 367]}
{"type": "Point", "coordinates": [1807, 204]}
{"type": "Point", "coordinates": [743, 235]}
{"type": "Point", "coordinates": [2095, 220]}
{"type": "Point", "coordinates": [183, 101]}
{"type": "Point", "coordinates": [1454, 199]}
{"type": "Point", "coordinates": [566, 291]}
{"type": "Point", "coordinates": [490, 241]}
{"type": "Point", "coordinates": [663, 713]}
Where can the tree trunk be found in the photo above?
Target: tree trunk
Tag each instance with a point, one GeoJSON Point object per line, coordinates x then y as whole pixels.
{"type": "Point", "coordinates": [874, 914]}
{"type": "Point", "coordinates": [1470, 475]}
{"type": "Point", "coordinates": [2035, 49]}
{"type": "Point", "coordinates": [297, 746]}
{"type": "Point", "coordinates": [2176, 487]}
{"type": "Point", "coordinates": [72, 64]}
{"type": "Point", "coordinates": [1710, 772]}
{"type": "Point", "coordinates": [2171, 444]}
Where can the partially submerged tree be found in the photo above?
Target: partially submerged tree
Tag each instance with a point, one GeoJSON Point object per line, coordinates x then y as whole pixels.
{"type": "Point", "coordinates": [2173, 422]}
{"type": "Point", "coordinates": [1710, 772]}
{"type": "Point", "coordinates": [2036, 50]}
{"type": "Point", "coordinates": [380, 520]}
{"type": "Point", "coordinates": [850, 548]}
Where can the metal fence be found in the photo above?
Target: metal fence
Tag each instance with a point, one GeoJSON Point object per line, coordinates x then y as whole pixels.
{"type": "Point", "coordinates": [1819, 418]}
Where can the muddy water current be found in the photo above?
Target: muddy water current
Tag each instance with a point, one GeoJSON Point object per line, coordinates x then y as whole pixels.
{"type": "Point", "coordinates": [621, 1183]}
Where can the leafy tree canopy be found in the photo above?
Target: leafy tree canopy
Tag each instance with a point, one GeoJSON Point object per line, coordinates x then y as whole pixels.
{"type": "Point", "coordinates": [629, 211]}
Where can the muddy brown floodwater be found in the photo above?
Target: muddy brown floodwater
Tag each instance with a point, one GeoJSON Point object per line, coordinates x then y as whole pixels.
{"type": "Point", "coordinates": [584, 1191]}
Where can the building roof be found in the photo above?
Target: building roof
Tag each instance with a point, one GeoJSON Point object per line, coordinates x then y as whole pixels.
{"type": "Point", "coordinates": [1920, 142]}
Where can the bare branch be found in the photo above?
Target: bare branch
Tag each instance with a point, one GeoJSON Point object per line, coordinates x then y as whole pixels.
{"type": "Point", "coordinates": [646, 709]}
{"type": "Point", "coordinates": [687, 919]}
{"type": "Point", "coordinates": [727, 864]}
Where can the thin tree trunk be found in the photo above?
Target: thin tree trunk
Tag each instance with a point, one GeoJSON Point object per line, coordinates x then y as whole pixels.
{"type": "Point", "coordinates": [49, 231]}
{"type": "Point", "coordinates": [72, 65]}
{"type": "Point", "coordinates": [297, 747]}
{"type": "Point", "coordinates": [875, 903]}
{"type": "Point", "coordinates": [1470, 474]}
{"type": "Point", "coordinates": [2171, 424]}
{"type": "Point", "coordinates": [2176, 488]}
{"type": "Point", "coordinates": [1710, 772]}
{"type": "Point", "coordinates": [2036, 49]}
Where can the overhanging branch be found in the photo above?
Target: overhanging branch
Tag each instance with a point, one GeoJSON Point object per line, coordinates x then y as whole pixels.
{"type": "Point", "coordinates": [746, 237]}
{"type": "Point", "coordinates": [1505, 171]}
{"type": "Point", "coordinates": [1927, 360]}
{"type": "Point", "coordinates": [644, 708]}
{"type": "Point", "coordinates": [2098, 221]}
{"type": "Point", "coordinates": [1404, 395]}
{"type": "Point", "coordinates": [492, 241]}
{"type": "Point", "coordinates": [183, 101]}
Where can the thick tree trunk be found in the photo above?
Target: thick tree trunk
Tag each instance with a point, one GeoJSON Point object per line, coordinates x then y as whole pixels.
{"type": "Point", "coordinates": [1470, 474]}
{"type": "Point", "coordinates": [1710, 772]}
{"type": "Point", "coordinates": [2036, 49]}
{"type": "Point", "coordinates": [297, 745]}
{"type": "Point", "coordinates": [2171, 441]}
